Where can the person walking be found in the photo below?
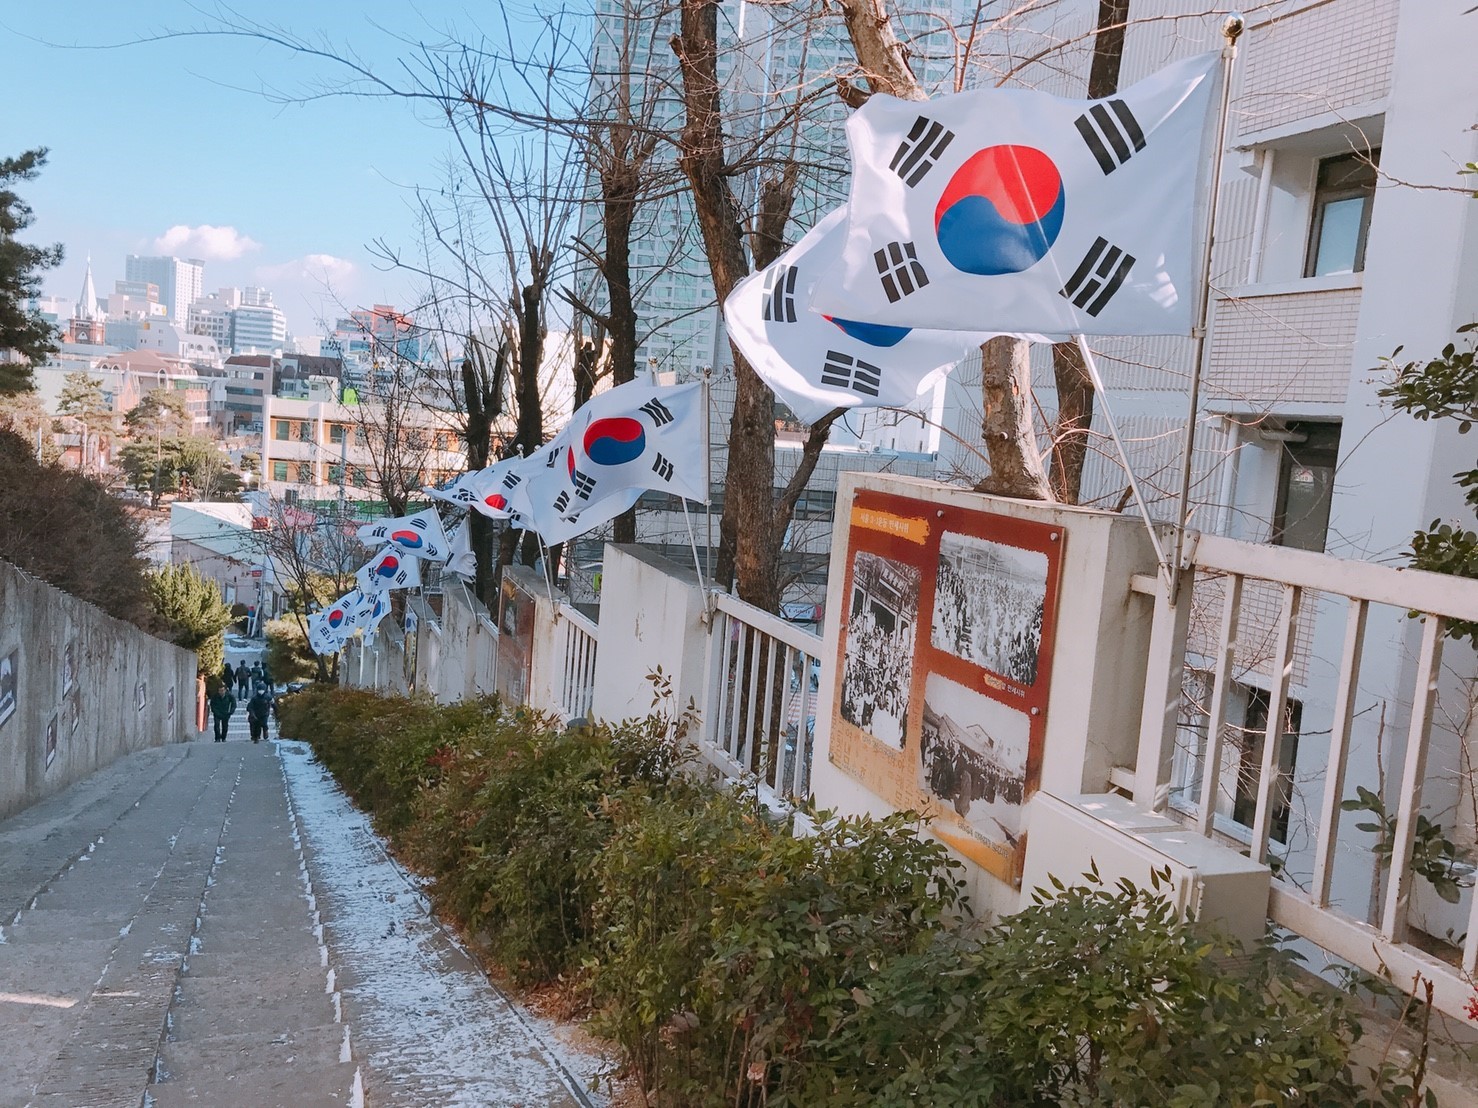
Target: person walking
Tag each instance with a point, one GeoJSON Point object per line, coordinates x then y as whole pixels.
{"type": "Point", "coordinates": [258, 708]}
{"type": "Point", "coordinates": [222, 706]}
{"type": "Point", "coordinates": [243, 679]}
{"type": "Point", "coordinates": [228, 675]}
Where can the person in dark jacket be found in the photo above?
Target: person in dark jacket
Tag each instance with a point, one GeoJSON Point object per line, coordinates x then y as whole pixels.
{"type": "Point", "coordinates": [222, 706]}
{"type": "Point", "coordinates": [258, 708]}
{"type": "Point", "coordinates": [243, 679]}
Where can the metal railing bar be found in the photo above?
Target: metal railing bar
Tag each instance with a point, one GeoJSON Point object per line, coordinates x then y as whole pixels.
{"type": "Point", "coordinates": [1339, 736]}
{"type": "Point", "coordinates": [1280, 674]}
{"type": "Point", "coordinates": [1424, 694]}
{"type": "Point", "coordinates": [752, 661]}
{"type": "Point", "coordinates": [1226, 656]}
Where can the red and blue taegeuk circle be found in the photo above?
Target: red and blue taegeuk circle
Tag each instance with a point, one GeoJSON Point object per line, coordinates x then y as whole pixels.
{"type": "Point", "coordinates": [411, 539]}
{"type": "Point", "coordinates": [613, 441]}
{"type": "Point", "coordinates": [336, 617]}
{"type": "Point", "coordinates": [389, 566]}
{"type": "Point", "coordinates": [1001, 211]}
{"type": "Point", "coordinates": [496, 502]}
{"type": "Point", "coordinates": [873, 334]}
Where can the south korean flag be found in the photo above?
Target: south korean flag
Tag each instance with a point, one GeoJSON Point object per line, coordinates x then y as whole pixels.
{"type": "Point", "coordinates": [627, 439]}
{"type": "Point", "coordinates": [816, 363]}
{"type": "Point", "coordinates": [482, 490]}
{"type": "Point", "coordinates": [321, 637]}
{"type": "Point", "coordinates": [1010, 210]}
{"type": "Point", "coordinates": [389, 569]}
{"type": "Point", "coordinates": [420, 535]}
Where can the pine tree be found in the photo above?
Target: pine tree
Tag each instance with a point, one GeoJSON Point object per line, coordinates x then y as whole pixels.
{"type": "Point", "coordinates": [21, 265]}
{"type": "Point", "coordinates": [82, 398]}
{"type": "Point", "coordinates": [193, 606]}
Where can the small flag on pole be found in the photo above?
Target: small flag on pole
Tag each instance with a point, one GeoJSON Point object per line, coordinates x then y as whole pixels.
{"type": "Point", "coordinates": [389, 569]}
{"type": "Point", "coordinates": [462, 561]}
{"type": "Point", "coordinates": [420, 535]}
{"type": "Point", "coordinates": [483, 490]}
{"type": "Point", "coordinates": [1012, 210]}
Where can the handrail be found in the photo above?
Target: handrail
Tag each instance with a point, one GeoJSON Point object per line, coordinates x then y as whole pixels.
{"type": "Point", "coordinates": [1416, 589]}
{"type": "Point", "coordinates": [768, 623]}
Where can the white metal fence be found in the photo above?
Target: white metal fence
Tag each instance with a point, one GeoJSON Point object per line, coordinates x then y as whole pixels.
{"type": "Point", "coordinates": [1347, 883]}
{"type": "Point", "coordinates": [762, 678]}
{"type": "Point", "coordinates": [577, 640]}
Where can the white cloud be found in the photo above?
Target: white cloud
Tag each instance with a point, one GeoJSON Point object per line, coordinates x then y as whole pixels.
{"type": "Point", "coordinates": [324, 269]}
{"type": "Point", "coordinates": [205, 241]}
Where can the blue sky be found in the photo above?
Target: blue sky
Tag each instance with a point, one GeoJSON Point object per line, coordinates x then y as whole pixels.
{"type": "Point", "coordinates": [175, 146]}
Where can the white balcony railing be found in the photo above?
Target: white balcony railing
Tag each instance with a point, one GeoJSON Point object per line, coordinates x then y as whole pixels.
{"type": "Point", "coordinates": [576, 641]}
{"type": "Point", "coordinates": [761, 683]}
{"type": "Point", "coordinates": [1362, 895]}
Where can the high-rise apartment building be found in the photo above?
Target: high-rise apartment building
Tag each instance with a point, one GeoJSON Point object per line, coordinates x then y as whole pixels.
{"type": "Point", "coordinates": [257, 324]}
{"type": "Point", "coordinates": [180, 281]}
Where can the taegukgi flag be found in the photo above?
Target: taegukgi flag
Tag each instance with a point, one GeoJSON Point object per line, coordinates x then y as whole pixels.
{"type": "Point", "coordinates": [420, 535]}
{"type": "Point", "coordinates": [628, 439]}
{"type": "Point", "coordinates": [1012, 210]}
{"type": "Point", "coordinates": [463, 561]}
{"type": "Point", "coordinates": [816, 363]}
{"type": "Point", "coordinates": [389, 569]}
{"type": "Point", "coordinates": [482, 490]}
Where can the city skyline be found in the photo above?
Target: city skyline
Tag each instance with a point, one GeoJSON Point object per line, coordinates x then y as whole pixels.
{"type": "Point", "coordinates": [167, 145]}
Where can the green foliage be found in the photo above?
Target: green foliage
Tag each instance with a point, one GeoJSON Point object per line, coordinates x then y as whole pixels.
{"type": "Point", "coordinates": [289, 658]}
{"type": "Point", "coordinates": [21, 266]}
{"type": "Point", "coordinates": [1433, 854]}
{"type": "Point", "coordinates": [193, 607]}
{"type": "Point", "coordinates": [1446, 387]}
{"type": "Point", "coordinates": [68, 530]}
{"type": "Point", "coordinates": [738, 963]}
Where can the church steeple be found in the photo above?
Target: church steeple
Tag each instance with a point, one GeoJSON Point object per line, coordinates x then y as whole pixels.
{"type": "Point", "coordinates": [87, 303]}
{"type": "Point", "coordinates": [87, 321]}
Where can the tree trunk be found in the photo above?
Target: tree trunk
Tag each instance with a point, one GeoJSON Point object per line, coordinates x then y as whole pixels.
{"type": "Point", "coordinates": [747, 527]}
{"type": "Point", "coordinates": [882, 58]}
{"type": "Point", "coordinates": [1074, 386]}
{"type": "Point", "coordinates": [1010, 442]}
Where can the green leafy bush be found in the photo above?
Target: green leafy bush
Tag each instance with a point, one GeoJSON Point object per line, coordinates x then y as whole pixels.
{"type": "Point", "coordinates": [738, 963]}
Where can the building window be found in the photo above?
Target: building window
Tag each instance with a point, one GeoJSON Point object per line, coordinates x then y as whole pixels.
{"type": "Point", "coordinates": [1305, 484]}
{"type": "Point", "coordinates": [1343, 192]}
{"type": "Point", "coordinates": [336, 433]}
{"type": "Point", "coordinates": [305, 473]}
{"type": "Point", "coordinates": [279, 471]}
{"type": "Point", "coordinates": [1250, 746]}
{"type": "Point", "coordinates": [280, 429]}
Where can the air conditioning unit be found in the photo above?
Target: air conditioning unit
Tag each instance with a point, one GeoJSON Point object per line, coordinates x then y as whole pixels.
{"type": "Point", "coordinates": [1069, 835]}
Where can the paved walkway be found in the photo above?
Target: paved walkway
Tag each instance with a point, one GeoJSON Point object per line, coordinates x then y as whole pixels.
{"type": "Point", "coordinates": [214, 924]}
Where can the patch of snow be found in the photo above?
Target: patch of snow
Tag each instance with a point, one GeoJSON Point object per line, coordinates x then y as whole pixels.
{"type": "Point", "coordinates": [429, 1027]}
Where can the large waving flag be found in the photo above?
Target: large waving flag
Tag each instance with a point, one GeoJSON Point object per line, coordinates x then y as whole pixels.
{"type": "Point", "coordinates": [389, 569]}
{"type": "Point", "coordinates": [420, 535]}
{"type": "Point", "coordinates": [816, 363]}
{"type": "Point", "coordinates": [1012, 210]}
{"type": "Point", "coordinates": [631, 438]}
{"type": "Point", "coordinates": [329, 627]}
{"type": "Point", "coordinates": [463, 560]}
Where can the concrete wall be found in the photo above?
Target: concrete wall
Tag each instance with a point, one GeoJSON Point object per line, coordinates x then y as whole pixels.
{"type": "Point", "coordinates": [79, 675]}
{"type": "Point", "coordinates": [651, 613]}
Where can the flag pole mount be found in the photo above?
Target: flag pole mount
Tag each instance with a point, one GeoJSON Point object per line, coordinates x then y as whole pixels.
{"type": "Point", "coordinates": [1231, 29]}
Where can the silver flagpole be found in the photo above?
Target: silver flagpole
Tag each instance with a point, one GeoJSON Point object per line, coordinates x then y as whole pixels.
{"type": "Point", "coordinates": [1231, 29]}
{"type": "Point", "coordinates": [707, 469]}
{"type": "Point", "coordinates": [1108, 417]}
{"type": "Point", "coordinates": [693, 542]}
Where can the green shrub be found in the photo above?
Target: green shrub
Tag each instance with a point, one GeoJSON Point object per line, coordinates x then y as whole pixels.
{"type": "Point", "coordinates": [736, 963]}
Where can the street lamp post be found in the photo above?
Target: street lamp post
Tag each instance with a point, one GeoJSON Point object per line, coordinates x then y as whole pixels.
{"type": "Point", "coordinates": [158, 439]}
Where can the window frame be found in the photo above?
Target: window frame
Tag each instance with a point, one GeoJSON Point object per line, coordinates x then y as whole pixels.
{"type": "Point", "coordinates": [1309, 454]}
{"type": "Point", "coordinates": [1323, 196]}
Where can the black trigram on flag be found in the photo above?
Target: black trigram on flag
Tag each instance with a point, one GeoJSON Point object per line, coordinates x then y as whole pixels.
{"type": "Point", "coordinates": [847, 372]}
{"type": "Point", "coordinates": [927, 140]}
{"type": "Point", "coordinates": [663, 468]}
{"type": "Point", "coordinates": [780, 294]}
{"type": "Point", "coordinates": [900, 271]}
{"type": "Point", "coordinates": [562, 501]}
{"type": "Point", "coordinates": [510, 480]}
{"type": "Point", "coordinates": [584, 484]}
{"type": "Point", "coordinates": [1111, 132]}
{"type": "Point", "coordinates": [658, 411]}
{"type": "Point", "coordinates": [1098, 276]}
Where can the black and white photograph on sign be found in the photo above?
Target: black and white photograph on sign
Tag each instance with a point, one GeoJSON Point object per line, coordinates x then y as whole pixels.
{"type": "Point", "coordinates": [141, 695]}
{"type": "Point", "coordinates": [169, 703]}
{"type": "Point", "coordinates": [878, 665]}
{"type": "Point", "coordinates": [988, 605]}
{"type": "Point", "coordinates": [972, 756]}
{"type": "Point", "coordinates": [9, 671]}
{"type": "Point", "coordinates": [51, 741]}
{"type": "Point", "coordinates": [69, 668]}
